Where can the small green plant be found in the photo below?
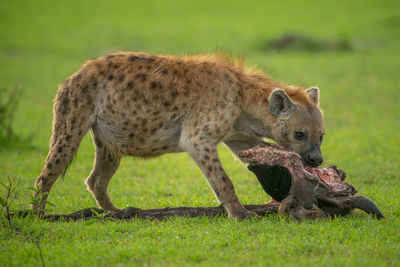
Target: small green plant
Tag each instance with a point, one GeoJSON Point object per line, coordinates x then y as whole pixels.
{"type": "Point", "coordinates": [35, 200]}
{"type": "Point", "coordinates": [7, 201]}
{"type": "Point", "coordinates": [8, 214]}
{"type": "Point", "coordinates": [99, 217]}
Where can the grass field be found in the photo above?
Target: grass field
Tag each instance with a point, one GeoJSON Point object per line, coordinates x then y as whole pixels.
{"type": "Point", "coordinates": [43, 42]}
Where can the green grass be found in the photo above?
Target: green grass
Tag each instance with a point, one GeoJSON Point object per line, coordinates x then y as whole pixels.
{"type": "Point", "coordinates": [42, 43]}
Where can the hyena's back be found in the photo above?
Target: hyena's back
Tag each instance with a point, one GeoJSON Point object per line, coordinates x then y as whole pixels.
{"type": "Point", "coordinates": [136, 103]}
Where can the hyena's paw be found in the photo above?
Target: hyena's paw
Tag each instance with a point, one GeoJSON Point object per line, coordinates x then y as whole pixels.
{"type": "Point", "coordinates": [241, 214]}
{"type": "Point", "coordinates": [38, 206]}
{"type": "Point", "coordinates": [37, 210]}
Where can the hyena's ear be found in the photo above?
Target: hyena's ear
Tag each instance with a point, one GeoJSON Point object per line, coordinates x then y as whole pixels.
{"type": "Point", "coordinates": [280, 103]}
{"type": "Point", "coordinates": [313, 94]}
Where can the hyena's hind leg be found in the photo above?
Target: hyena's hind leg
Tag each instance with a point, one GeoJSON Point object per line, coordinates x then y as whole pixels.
{"type": "Point", "coordinates": [70, 123]}
{"type": "Point", "coordinates": [105, 165]}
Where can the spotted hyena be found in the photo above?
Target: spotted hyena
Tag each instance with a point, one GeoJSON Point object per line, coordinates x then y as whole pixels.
{"type": "Point", "coordinates": [142, 105]}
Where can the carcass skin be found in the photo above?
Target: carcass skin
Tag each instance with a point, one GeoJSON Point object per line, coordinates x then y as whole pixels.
{"type": "Point", "coordinates": [304, 192]}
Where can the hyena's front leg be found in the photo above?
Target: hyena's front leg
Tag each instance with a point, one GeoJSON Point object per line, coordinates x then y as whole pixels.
{"type": "Point", "coordinates": [205, 154]}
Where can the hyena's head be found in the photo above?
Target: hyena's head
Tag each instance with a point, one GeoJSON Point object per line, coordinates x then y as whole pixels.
{"type": "Point", "coordinates": [299, 126]}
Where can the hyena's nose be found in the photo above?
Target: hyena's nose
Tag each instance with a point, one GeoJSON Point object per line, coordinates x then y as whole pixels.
{"type": "Point", "coordinates": [314, 159]}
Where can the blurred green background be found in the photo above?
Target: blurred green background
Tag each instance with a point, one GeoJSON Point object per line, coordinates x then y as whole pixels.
{"type": "Point", "coordinates": [350, 49]}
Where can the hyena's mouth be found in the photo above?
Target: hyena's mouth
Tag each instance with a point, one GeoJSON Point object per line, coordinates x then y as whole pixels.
{"type": "Point", "coordinates": [311, 162]}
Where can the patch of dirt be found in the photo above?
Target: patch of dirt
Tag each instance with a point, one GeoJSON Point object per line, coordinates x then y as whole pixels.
{"type": "Point", "coordinates": [391, 21]}
{"type": "Point", "coordinates": [301, 42]}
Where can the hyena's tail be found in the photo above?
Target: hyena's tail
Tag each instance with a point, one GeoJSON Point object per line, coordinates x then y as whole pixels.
{"type": "Point", "coordinates": [73, 116]}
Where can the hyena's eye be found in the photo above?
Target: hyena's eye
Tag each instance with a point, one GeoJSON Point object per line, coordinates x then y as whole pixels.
{"type": "Point", "coordinates": [300, 136]}
{"type": "Point", "coordinates": [321, 137]}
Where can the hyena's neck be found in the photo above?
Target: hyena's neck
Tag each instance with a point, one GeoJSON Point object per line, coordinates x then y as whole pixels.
{"type": "Point", "coordinates": [249, 125]}
{"type": "Point", "coordinates": [256, 89]}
